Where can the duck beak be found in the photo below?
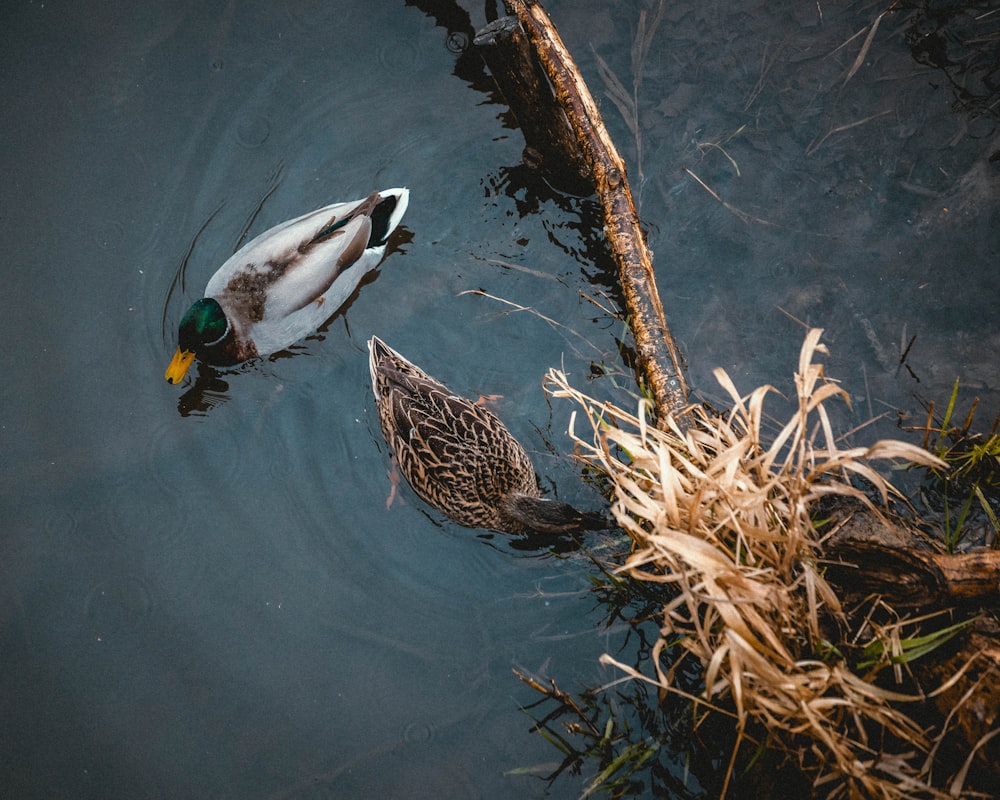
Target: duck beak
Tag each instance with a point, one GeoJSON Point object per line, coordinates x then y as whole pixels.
{"type": "Point", "coordinates": [179, 366]}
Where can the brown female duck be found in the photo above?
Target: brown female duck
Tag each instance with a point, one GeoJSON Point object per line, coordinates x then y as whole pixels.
{"type": "Point", "coordinates": [458, 456]}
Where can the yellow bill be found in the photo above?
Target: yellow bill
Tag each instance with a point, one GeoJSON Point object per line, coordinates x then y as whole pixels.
{"type": "Point", "coordinates": [179, 365]}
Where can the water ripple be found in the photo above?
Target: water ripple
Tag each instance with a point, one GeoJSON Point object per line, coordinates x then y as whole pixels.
{"type": "Point", "coordinates": [304, 17]}
{"type": "Point", "coordinates": [180, 459]}
{"type": "Point", "coordinates": [416, 733]}
{"type": "Point", "coordinates": [252, 130]}
{"type": "Point", "coordinates": [118, 605]}
{"type": "Point", "coordinates": [398, 54]}
{"type": "Point", "coordinates": [108, 234]}
{"type": "Point", "coordinates": [60, 523]}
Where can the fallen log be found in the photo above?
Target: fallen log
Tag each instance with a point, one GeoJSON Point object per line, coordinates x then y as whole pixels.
{"type": "Point", "coordinates": [869, 554]}
{"type": "Point", "coordinates": [659, 359]}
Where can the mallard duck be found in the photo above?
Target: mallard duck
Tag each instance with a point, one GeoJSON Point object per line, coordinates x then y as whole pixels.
{"type": "Point", "coordinates": [458, 456]}
{"type": "Point", "coordinates": [286, 282]}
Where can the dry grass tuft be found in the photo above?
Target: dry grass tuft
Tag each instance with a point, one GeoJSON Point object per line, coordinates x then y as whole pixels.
{"type": "Point", "coordinates": [723, 518]}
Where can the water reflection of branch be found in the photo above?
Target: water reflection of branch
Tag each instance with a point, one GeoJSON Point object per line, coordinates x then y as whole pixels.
{"type": "Point", "coordinates": [554, 692]}
{"type": "Point", "coordinates": [635, 750]}
{"type": "Point", "coordinates": [178, 283]}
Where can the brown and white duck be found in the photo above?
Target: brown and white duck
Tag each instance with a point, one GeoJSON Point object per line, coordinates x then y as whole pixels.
{"type": "Point", "coordinates": [286, 282]}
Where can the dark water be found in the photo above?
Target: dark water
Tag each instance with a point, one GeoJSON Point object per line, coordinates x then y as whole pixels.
{"type": "Point", "coordinates": [202, 593]}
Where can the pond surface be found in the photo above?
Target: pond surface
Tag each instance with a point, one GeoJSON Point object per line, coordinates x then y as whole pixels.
{"type": "Point", "coordinates": [203, 592]}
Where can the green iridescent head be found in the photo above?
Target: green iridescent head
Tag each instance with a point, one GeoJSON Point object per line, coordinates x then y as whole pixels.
{"type": "Point", "coordinates": [204, 325]}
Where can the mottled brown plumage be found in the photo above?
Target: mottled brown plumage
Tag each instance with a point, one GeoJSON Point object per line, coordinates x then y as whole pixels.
{"type": "Point", "coordinates": [458, 456]}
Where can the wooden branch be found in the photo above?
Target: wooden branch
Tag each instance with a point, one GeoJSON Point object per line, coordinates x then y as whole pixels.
{"type": "Point", "coordinates": [659, 358]}
{"type": "Point", "coordinates": [870, 555]}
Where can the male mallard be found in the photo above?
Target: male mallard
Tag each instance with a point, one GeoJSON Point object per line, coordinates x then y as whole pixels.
{"type": "Point", "coordinates": [458, 456]}
{"type": "Point", "coordinates": [286, 282]}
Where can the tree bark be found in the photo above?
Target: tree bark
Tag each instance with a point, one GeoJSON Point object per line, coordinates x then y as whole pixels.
{"type": "Point", "coordinates": [869, 554]}
{"type": "Point", "coordinates": [659, 359]}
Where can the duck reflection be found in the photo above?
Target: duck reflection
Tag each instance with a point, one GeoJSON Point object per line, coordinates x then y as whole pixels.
{"type": "Point", "coordinates": [209, 391]}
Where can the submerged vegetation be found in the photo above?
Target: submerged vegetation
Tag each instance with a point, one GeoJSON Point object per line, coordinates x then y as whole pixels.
{"type": "Point", "coordinates": [961, 39]}
{"type": "Point", "coordinates": [723, 529]}
{"type": "Point", "coordinates": [970, 480]}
